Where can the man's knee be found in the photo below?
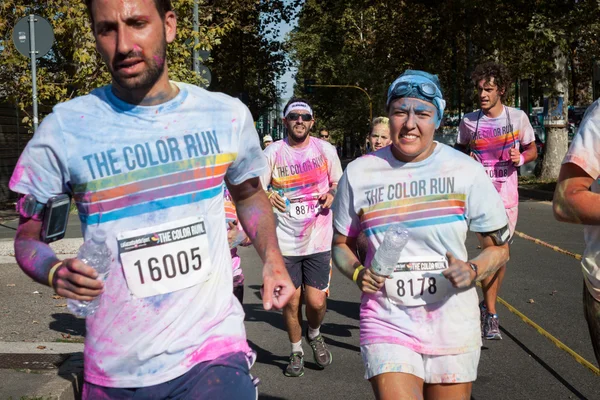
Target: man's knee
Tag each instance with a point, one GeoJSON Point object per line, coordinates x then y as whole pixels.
{"type": "Point", "coordinates": [316, 299]}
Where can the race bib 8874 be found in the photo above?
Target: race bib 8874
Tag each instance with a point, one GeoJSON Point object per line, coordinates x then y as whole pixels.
{"type": "Point", "coordinates": [165, 258]}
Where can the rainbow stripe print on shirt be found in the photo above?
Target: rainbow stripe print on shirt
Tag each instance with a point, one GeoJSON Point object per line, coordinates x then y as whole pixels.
{"type": "Point", "coordinates": [413, 212]}
{"type": "Point", "coordinates": [494, 147]}
{"type": "Point", "coordinates": [304, 183]}
{"type": "Point", "coordinates": [151, 189]}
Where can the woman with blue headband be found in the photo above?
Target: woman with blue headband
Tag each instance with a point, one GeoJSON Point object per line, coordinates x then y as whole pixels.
{"type": "Point", "coordinates": [419, 327]}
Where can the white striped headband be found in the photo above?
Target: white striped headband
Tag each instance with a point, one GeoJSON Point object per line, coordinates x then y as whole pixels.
{"type": "Point", "coordinates": [299, 105]}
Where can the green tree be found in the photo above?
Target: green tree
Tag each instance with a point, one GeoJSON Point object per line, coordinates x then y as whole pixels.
{"type": "Point", "coordinates": [369, 43]}
{"type": "Point", "coordinates": [248, 61]}
{"type": "Point", "coordinates": [73, 67]}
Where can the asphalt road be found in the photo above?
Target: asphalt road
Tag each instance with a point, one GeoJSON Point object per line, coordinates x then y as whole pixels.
{"type": "Point", "coordinates": [524, 365]}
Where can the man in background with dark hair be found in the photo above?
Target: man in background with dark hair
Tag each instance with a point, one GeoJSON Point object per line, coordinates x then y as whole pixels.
{"type": "Point", "coordinates": [495, 136]}
{"type": "Point", "coordinates": [324, 135]}
{"type": "Point", "coordinates": [303, 173]}
{"type": "Point", "coordinates": [146, 159]}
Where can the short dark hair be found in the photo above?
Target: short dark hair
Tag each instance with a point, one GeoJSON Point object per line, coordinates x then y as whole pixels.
{"type": "Point", "coordinates": [162, 6]}
{"type": "Point", "coordinates": [295, 100]}
{"type": "Point", "coordinates": [492, 69]}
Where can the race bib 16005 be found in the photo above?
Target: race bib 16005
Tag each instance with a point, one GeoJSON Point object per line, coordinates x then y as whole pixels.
{"type": "Point", "coordinates": [165, 258]}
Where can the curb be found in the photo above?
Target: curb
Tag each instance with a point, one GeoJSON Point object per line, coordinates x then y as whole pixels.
{"type": "Point", "coordinates": [28, 371]}
{"type": "Point", "coordinates": [535, 194]}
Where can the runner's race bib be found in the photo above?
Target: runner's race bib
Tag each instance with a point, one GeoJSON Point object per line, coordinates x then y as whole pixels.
{"type": "Point", "coordinates": [418, 281]}
{"type": "Point", "coordinates": [497, 170]}
{"type": "Point", "coordinates": [305, 210]}
{"type": "Point", "coordinates": [165, 258]}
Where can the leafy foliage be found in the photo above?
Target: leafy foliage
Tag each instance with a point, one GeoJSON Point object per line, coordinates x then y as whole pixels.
{"type": "Point", "coordinates": [369, 43]}
{"type": "Point", "coordinates": [73, 67]}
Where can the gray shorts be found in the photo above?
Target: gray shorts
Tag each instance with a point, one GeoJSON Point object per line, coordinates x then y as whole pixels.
{"type": "Point", "coordinates": [313, 270]}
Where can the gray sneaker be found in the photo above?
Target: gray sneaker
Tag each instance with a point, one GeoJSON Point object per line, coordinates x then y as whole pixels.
{"type": "Point", "coordinates": [491, 327]}
{"type": "Point", "coordinates": [296, 366]}
{"type": "Point", "coordinates": [321, 353]}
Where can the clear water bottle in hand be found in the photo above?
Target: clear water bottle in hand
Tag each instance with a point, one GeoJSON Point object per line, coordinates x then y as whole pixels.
{"type": "Point", "coordinates": [388, 254]}
{"type": "Point", "coordinates": [284, 197]}
{"type": "Point", "coordinates": [95, 253]}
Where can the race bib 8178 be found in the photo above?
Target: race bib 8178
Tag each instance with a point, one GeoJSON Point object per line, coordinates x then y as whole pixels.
{"type": "Point", "coordinates": [417, 281]}
{"type": "Point", "coordinates": [165, 258]}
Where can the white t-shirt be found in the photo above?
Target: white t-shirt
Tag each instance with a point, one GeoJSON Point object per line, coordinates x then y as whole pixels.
{"type": "Point", "coordinates": [133, 168]}
{"type": "Point", "coordinates": [303, 174]}
{"type": "Point", "coordinates": [585, 153]}
{"type": "Point", "coordinates": [490, 140]}
{"type": "Point", "coordinates": [437, 200]}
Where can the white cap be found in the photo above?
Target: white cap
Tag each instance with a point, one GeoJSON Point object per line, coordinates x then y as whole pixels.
{"type": "Point", "coordinates": [267, 138]}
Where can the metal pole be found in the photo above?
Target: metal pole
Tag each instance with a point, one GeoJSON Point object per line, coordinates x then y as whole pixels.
{"type": "Point", "coordinates": [33, 56]}
{"type": "Point", "coordinates": [196, 39]}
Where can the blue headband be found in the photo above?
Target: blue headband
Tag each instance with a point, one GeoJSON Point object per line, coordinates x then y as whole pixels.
{"type": "Point", "coordinates": [419, 85]}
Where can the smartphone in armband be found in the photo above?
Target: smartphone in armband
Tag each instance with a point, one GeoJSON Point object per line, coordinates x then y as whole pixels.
{"type": "Point", "coordinates": [56, 216]}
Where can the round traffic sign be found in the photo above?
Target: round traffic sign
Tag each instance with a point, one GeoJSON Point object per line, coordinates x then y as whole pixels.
{"type": "Point", "coordinates": [44, 36]}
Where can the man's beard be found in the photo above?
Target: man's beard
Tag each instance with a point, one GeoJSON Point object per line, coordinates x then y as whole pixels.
{"type": "Point", "coordinates": [298, 137]}
{"type": "Point", "coordinates": [148, 77]}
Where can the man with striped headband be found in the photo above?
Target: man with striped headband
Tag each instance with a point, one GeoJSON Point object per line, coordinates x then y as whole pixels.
{"type": "Point", "coordinates": [303, 173]}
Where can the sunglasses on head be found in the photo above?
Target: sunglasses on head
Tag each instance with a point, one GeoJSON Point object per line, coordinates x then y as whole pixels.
{"type": "Point", "coordinates": [296, 116]}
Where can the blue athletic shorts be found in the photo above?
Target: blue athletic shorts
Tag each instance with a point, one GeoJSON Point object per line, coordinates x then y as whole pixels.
{"type": "Point", "coordinates": [227, 377]}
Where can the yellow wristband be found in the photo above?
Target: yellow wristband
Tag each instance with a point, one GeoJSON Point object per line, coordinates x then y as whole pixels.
{"type": "Point", "coordinates": [356, 272]}
{"type": "Point", "coordinates": [270, 194]}
{"type": "Point", "coordinates": [51, 273]}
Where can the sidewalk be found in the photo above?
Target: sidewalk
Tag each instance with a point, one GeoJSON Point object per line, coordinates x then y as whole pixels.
{"type": "Point", "coordinates": [41, 370]}
{"type": "Point", "coordinates": [535, 194]}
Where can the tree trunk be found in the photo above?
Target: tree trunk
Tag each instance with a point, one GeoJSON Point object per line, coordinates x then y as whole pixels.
{"type": "Point", "coordinates": [555, 120]}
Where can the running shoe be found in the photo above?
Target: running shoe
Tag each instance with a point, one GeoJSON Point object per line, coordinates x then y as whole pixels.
{"type": "Point", "coordinates": [491, 327]}
{"type": "Point", "coordinates": [296, 366]}
{"type": "Point", "coordinates": [321, 353]}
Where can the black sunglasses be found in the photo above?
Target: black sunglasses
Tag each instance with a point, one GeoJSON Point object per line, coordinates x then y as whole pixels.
{"type": "Point", "coordinates": [295, 117]}
{"type": "Point", "coordinates": [324, 136]}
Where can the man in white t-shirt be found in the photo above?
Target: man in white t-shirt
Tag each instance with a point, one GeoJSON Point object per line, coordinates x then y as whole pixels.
{"type": "Point", "coordinates": [576, 200]}
{"type": "Point", "coordinates": [146, 160]}
{"type": "Point", "coordinates": [494, 136]}
{"type": "Point", "coordinates": [303, 174]}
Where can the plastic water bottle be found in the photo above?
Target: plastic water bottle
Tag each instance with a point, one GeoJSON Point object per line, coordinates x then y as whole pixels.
{"type": "Point", "coordinates": [287, 201]}
{"type": "Point", "coordinates": [388, 254]}
{"type": "Point", "coordinates": [96, 254]}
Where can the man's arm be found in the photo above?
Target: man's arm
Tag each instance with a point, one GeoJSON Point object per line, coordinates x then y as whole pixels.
{"type": "Point", "coordinates": [573, 201]}
{"type": "Point", "coordinates": [529, 154]}
{"type": "Point", "coordinates": [256, 216]}
{"type": "Point", "coordinates": [72, 278]}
